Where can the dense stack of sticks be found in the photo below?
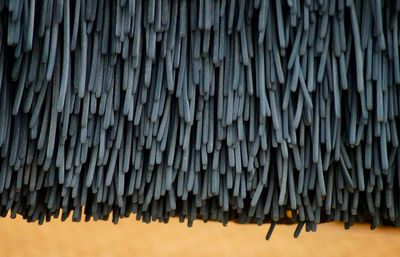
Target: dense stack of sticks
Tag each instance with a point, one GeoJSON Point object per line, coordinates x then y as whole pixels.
{"type": "Point", "coordinates": [252, 111]}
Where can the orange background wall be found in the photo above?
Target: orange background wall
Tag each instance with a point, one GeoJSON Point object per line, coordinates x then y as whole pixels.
{"type": "Point", "coordinates": [133, 238]}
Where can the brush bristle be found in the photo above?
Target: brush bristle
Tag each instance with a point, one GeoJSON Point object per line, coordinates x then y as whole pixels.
{"type": "Point", "coordinates": [250, 111]}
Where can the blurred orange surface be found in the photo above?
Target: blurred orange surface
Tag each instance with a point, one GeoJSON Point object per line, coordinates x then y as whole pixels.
{"type": "Point", "coordinates": [133, 238]}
